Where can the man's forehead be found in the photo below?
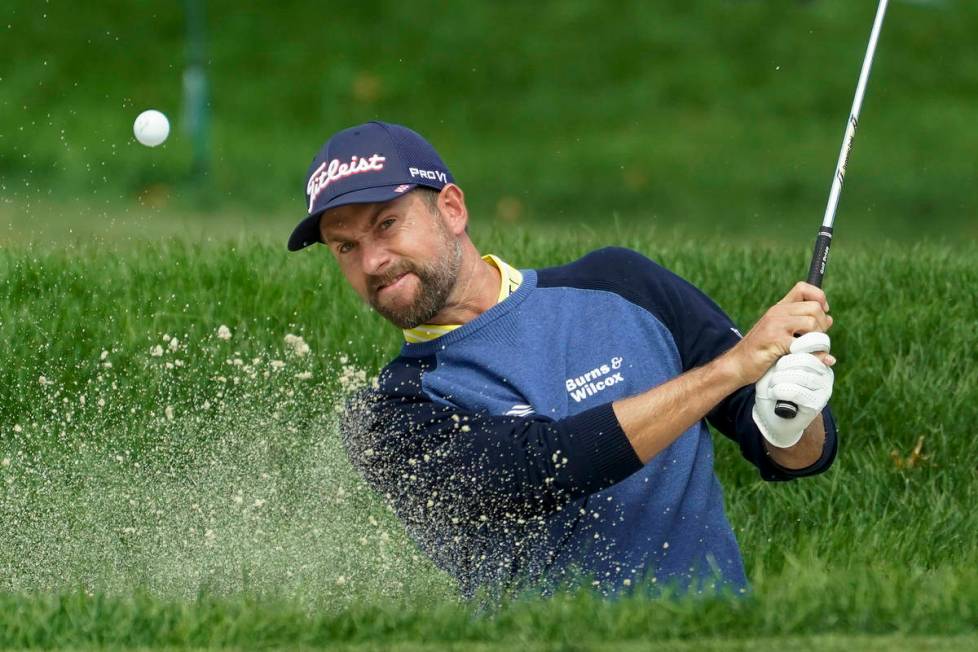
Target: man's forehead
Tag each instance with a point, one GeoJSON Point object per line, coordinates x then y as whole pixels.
{"type": "Point", "coordinates": [340, 217]}
{"type": "Point", "coordinates": [348, 216]}
{"type": "Point", "coordinates": [352, 216]}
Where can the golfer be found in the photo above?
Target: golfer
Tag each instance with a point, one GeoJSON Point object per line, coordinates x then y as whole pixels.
{"type": "Point", "coordinates": [540, 426]}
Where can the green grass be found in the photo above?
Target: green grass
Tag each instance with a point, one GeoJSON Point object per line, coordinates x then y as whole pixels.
{"type": "Point", "coordinates": [903, 610]}
{"type": "Point", "coordinates": [720, 116]}
{"type": "Point", "coordinates": [209, 503]}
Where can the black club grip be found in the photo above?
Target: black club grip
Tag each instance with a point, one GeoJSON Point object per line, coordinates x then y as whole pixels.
{"type": "Point", "coordinates": [820, 259]}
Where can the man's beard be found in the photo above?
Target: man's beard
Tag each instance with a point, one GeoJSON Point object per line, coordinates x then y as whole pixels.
{"type": "Point", "coordinates": [436, 282]}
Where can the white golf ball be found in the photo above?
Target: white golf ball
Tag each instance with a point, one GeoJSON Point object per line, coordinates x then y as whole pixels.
{"type": "Point", "coordinates": [151, 128]}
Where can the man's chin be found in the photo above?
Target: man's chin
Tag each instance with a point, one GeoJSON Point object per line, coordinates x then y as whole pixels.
{"type": "Point", "coordinates": [407, 318]}
{"type": "Point", "coordinates": [402, 321]}
{"type": "Point", "coordinates": [404, 318]}
{"type": "Point", "coordinates": [410, 306]}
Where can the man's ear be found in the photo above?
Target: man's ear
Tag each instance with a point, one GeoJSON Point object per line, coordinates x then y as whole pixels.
{"type": "Point", "coordinates": [451, 203]}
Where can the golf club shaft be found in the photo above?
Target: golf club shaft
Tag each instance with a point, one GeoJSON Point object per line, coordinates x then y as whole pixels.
{"type": "Point", "coordinates": [820, 255]}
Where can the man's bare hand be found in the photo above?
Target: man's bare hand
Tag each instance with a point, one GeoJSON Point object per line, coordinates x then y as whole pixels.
{"type": "Point", "coordinates": [654, 419]}
{"type": "Point", "coordinates": [803, 310]}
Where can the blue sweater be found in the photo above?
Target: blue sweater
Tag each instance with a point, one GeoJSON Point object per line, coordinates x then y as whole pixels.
{"type": "Point", "coordinates": [498, 448]}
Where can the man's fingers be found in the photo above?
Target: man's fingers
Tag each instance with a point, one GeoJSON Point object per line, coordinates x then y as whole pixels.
{"type": "Point", "coordinates": [806, 363]}
{"type": "Point", "coordinates": [795, 394]}
{"type": "Point", "coordinates": [805, 292]}
{"type": "Point", "coordinates": [801, 312]}
{"type": "Point", "coordinates": [801, 379]}
{"type": "Point", "coordinates": [812, 342]}
{"type": "Point", "coordinates": [810, 309]}
{"type": "Point", "coordinates": [827, 358]}
{"type": "Point", "coordinates": [817, 344]}
{"type": "Point", "coordinates": [801, 324]}
{"type": "Point", "coordinates": [804, 308]}
{"type": "Point", "coordinates": [778, 334]}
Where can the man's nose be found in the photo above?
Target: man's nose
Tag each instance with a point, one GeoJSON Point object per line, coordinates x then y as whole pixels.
{"type": "Point", "coordinates": [374, 257]}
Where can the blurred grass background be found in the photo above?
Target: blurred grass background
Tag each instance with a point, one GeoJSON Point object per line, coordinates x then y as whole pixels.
{"type": "Point", "coordinates": [722, 118]}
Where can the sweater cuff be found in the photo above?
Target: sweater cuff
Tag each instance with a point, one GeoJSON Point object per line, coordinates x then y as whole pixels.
{"type": "Point", "coordinates": [605, 447]}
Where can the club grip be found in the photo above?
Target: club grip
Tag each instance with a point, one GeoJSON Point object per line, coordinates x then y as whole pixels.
{"type": "Point", "coordinates": [820, 259]}
{"type": "Point", "coordinates": [820, 256]}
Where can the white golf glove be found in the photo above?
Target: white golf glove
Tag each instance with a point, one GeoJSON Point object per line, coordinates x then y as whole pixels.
{"type": "Point", "coordinates": [798, 377]}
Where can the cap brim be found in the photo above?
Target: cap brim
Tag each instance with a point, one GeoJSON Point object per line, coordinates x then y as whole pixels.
{"type": "Point", "coordinates": [307, 232]}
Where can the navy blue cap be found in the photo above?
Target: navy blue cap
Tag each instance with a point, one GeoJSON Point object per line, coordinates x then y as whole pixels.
{"type": "Point", "coordinates": [372, 162]}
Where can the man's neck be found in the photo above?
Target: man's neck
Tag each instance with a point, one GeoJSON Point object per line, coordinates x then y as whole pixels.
{"type": "Point", "coordinates": [476, 291]}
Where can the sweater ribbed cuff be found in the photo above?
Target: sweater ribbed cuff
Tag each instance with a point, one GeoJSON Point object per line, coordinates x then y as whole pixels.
{"type": "Point", "coordinates": [598, 435]}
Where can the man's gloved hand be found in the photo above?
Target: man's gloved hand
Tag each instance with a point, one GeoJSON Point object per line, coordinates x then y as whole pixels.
{"type": "Point", "coordinates": [799, 377]}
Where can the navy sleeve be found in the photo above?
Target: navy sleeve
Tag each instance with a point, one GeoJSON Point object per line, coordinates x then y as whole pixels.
{"type": "Point", "coordinates": [433, 459]}
{"type": "Point", "coordinates": [702, 332]}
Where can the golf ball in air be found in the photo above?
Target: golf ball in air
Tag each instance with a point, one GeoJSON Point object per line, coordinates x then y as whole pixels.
{"type": "Point", "coordinates": [151, 128]}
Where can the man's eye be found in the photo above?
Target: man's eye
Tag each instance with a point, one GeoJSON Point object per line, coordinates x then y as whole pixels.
{"type": "Point", "coordinates": [386, 224]}
{"type": "Point", "coordinates": [345, 247]}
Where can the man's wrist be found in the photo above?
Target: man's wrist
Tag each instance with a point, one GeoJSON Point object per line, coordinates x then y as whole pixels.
{"type": "Point", "coordinates": [728, 372]}
{"type": "Point", "coordinates": [805, 452]}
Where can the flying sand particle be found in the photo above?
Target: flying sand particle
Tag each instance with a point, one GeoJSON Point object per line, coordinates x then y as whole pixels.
{"type": "Point", "coordinates": [297, 344]}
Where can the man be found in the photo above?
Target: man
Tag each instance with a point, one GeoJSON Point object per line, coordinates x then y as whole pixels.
{"type": "Point", "coordinates": [544, 425]}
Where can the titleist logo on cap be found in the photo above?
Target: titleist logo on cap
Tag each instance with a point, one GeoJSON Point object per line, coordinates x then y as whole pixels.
{"type": "Point", "coordinates": [326, 174]}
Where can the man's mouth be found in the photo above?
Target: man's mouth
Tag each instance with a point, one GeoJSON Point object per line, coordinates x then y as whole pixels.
{"type": "Point", "coordinates": [397, 282]}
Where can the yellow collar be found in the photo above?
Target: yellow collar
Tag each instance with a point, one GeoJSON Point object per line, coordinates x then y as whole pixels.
{"type": "Point", "coordinates": [511, 278]}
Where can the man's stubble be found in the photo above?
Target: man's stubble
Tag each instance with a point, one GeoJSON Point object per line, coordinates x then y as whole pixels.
{"type": "Point", "coordinates": [436, 282]}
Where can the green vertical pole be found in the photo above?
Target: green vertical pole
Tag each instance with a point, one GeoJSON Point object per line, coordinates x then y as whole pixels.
{"type": "Point", "coordinates": [195, 90]}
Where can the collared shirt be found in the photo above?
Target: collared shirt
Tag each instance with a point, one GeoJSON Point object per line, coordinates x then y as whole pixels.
{"type": "Point", "coordinates": [511, 278]}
